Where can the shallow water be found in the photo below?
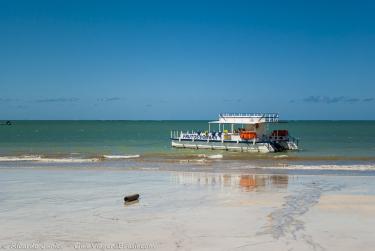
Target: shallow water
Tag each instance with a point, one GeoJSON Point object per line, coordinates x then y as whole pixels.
{"type": "Point", "coordinates": [321, 142]}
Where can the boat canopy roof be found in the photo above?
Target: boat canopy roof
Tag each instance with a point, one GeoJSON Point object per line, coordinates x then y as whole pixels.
{"type": "Point", "coordinates": [246, 118]}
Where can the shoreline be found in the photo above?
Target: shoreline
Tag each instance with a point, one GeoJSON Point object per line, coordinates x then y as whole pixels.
{"type": "Point", "coordinates": [200, 165]}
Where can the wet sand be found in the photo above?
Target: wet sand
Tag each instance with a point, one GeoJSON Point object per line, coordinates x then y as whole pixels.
{"type": "Point", "coordinates": [73, 209]}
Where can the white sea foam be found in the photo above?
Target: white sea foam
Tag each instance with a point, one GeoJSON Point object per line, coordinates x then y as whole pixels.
{"type": "Point", "coordinates": [121, 156]}
{"type": "Point", "coordinates": [202, 156]}
{"type": "Point", "coordinates": [38, 158]}
{"type": "Point", "coordinates": [193, 161]}
{"type": "Point", "coordinates": [215, 156]}
{"type": "Point", "coordinates": [280, 156]}
{"type": "Point", "coordinates": [68, 160]}
{"type": "Point", "coordinates": [21, 158]}
{"type": "Point", "coordinates": [368, 167]}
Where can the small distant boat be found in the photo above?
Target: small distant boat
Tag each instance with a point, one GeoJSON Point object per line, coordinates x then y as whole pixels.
{"type": "Point", "coordinates": [245, 133]}
{"type": "Point", "coordinates": [7, 123]}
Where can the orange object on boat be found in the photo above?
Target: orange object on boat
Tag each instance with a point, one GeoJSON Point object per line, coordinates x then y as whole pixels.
{"type": "Point", "coordinates": [248, 135]}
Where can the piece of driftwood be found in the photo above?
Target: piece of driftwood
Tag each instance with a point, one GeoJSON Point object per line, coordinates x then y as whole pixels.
{"type": "Point", "coordinates": [132, 197]}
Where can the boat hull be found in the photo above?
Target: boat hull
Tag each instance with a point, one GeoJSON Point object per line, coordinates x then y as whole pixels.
{"type": "Point", "coordinates": [228, 146]}
{"type": "Point", "coordinates": [256, 147]}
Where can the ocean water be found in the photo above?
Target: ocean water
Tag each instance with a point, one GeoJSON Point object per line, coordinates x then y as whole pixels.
{"type": "Point", "coordinates": [319, 141]}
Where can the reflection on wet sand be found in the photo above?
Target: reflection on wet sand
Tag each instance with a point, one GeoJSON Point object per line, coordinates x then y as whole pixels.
{"type": "Point", "coordinates": [246, 182]}
{"type": "Point", "coordinates": [129, 203]}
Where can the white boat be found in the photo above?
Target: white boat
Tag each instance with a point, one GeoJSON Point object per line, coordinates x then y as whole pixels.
{"type": "Point", "coordinates": [238, 132]}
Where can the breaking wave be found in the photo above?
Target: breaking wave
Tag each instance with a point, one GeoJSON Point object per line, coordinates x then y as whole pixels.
{"type": "Point", "coordinates": [121, 156]}
{"type": "Point", "coordinates": [64, 159]}
{"type": "Point", "coordinates": [38, 158]}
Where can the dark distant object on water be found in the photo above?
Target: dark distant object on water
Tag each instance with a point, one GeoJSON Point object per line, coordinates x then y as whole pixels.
{"type": "Point", "coordinates": [7, 123]}
{"type": "Point", "coordinates": [132, 197]}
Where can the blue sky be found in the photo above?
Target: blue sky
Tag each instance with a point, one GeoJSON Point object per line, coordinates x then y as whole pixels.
{"type": "Point", "coordinates": [186, 59]}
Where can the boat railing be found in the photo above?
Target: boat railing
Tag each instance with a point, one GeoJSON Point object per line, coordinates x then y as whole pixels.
{"type": "Point", "coordinates": [197, 135]}
{"type": "Point", "coordinates": [193, 135]}
{"type": "Point", "coordinates": [179, 135]}
{"type": "Point", "coordinates": [268, 117]}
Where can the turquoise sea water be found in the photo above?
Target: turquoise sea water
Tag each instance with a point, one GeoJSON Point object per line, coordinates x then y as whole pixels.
{"type": "Point", "coordinates": [319, 140]}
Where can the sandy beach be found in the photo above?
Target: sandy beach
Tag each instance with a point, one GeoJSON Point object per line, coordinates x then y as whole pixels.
{"type": "Point", "coordinates": [72, 209]}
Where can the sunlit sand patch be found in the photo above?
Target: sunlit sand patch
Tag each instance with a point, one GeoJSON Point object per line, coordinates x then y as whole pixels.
{"type": "Point", "coordinates": [285, 166]}
{"type": "Point", "coordinates": [358, 204]}
{"type": "Point", "coordinates": [269, 202]}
